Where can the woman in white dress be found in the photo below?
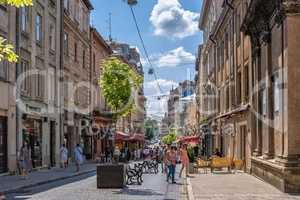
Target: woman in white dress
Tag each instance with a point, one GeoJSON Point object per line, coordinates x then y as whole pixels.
{"type": "Point", "coordinates": [64, 156]}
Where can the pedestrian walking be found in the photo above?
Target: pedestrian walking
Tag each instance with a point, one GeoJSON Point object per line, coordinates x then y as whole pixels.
{"type": "Point", "coordinates": [25, 160]}
{"type": "Point", "coordinates": [171, 163]}
{"type": "Point", "coordinates": [78, 157]}
{"type": "Point", "coordinates": [116, 155]}
{"type": "Point", "coordinates": [63, 156]}
{"type": "Point", "coordinates": [184, 159]}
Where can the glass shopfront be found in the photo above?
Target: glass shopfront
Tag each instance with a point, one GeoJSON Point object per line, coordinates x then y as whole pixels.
{"type": "Point", "coordinates": [33, 135]}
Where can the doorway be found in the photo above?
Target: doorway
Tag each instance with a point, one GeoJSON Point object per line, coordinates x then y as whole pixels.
{"type": "Point", "coordinates": [3, 144]}
{"type": "Point", "coordinates": [243, 135]}
{"type": "Point", "coordinates": [52, 143]}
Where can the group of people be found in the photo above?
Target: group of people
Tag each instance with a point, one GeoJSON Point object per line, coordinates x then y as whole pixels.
{"type": "Point", "coordinates": [64, 156]}
{"type": "Point", "coordinates": [25, 158]}
{"type": "Point", "coordinates": [171, 156]}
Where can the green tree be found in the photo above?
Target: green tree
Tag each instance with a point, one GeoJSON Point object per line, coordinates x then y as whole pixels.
{"type": "Point", "coordinates": [171, 137]}
{"type": "Point", "coordinates": [118, 83]}
{"type": "Point", "coordinates": [6, 49]}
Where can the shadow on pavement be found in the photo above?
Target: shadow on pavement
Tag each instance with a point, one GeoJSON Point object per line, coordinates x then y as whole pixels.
{"type": "Point", "coordinates": [139, 192]}
{"type": "Point", "coordinates": [26, 193]}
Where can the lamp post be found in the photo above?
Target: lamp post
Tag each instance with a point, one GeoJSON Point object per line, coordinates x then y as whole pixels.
{"type": "Point", "coordinates": [132, 2]}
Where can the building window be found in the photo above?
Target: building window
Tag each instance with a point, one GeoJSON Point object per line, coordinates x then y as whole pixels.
{"type": "Point", "coordinates": [67, 5]}
{"type": "Point", "coordinates": [26, 81]}
{"type": "Point", "coordinates": [246, 82]}
{"type": "Point", "coordinates": [237, 26]}
{"type": "Point", "coordinates": [3, 70]}
{"type": "Point", "coordinates": [83, 59]}
{"type": "Point", "coordinates": [75, 52]}
{"type": "Point", "coordinates": [40, 85]}
{"type": "Point", "coordinates": [38, 28]}
{"type": "Point", "coordinates": [264, 102]}
{"type": "Point", "coordinates": [239, 88]}
{"type": "Point", "coordinates": [52, 37]}
{"type": "Point", "coordinates": [24, 18]}
{"type": "Point", "coordinates": [66, 44]}
{"type": "Point", "coordinates": [94, 62]}
{"type": "Point", "coordinates": [276, 90]}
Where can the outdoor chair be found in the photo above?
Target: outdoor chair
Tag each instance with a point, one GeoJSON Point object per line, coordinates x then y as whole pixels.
{"type": "Point", "coordinates": [220, 163]}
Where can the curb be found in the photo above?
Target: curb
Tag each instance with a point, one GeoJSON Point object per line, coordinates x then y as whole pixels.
{"type": "Point", "coordinates": [46, 182]}
{"type": "Point", "coordinates": [190, 189]}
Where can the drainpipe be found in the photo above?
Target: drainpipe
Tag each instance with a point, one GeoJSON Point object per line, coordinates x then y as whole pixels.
{"type": "Point", "coordinates": [16, 76]}
{"type": "Point", "coordinates": [61, 75]}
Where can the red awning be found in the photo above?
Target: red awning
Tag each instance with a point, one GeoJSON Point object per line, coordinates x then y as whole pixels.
{"type": "Point", "coordinates": [120, 136]}
{"type": "Point", "coordinates": [137, 137]}
{"type": "Point", "coordinates": [191, 140]}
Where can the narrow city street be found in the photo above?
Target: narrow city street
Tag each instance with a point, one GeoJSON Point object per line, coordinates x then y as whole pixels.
{"type": "Point", "coordinates": [83, 187]}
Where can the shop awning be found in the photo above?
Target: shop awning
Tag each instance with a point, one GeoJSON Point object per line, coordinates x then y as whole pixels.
{"type": "Point", "coordinates": [120, 136]}
{"type": "Point", "coordinates": [137, 137]}
{"type": "Point", "coordinates": [190, 140]}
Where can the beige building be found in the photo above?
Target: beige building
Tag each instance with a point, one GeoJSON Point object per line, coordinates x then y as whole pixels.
{"type": "Point", "coordinates": [8, 145]}
{"type": "Point", "coordinates": [247, 70]}
{"type": "Point", "coordinates": [38, 70]}
{"type": "Point", "coordinates": [76, 67]}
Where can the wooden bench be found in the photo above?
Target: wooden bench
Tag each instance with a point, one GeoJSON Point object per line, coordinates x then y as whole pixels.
{"type": "Point", "coordinates": [202, 164]}
{"type": "Point", "coordinates": [220, 163]}
{"type": "Point", "coordinates": [238, 164]}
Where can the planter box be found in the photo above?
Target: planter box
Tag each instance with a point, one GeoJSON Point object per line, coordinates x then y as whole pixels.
{"type": "Point", "coordinates": [111, 176]}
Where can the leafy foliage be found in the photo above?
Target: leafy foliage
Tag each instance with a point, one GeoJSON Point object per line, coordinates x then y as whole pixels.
{"type": "Point", "coordinates": [7, 52]}
{"type": "Point", "coordinates": [118, 83]}
{"type": "Point", "coordinates": [191, 154]}
{"type": "Point", "coordinates": [170, 138]}
{"type": "Point", "coordinates": [17, 3]}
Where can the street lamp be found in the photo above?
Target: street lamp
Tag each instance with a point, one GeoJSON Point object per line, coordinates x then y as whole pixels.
{"type": "Point", "coordinates": [132, 2]}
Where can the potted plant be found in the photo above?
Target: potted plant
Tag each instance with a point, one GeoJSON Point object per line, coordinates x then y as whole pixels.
{"type": "Point", "coordinates": [192, 159]}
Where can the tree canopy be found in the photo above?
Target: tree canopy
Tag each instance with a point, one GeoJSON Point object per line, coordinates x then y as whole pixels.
{"type": "Point", "coordinates": [6, 49]}
{"type": "Point", "coordinates": [17, 3]}
{"type": "Point", "coordinates": [170, 138]}
{"type": "Point", "coordinates": [118, 83]}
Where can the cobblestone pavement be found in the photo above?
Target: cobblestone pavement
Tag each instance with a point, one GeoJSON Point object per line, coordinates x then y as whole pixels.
{"type": "Point", "coordinates": [10, 183]}
{"type": "Point", "coordinates": [239, 186]}
{"type": "Point", "coordinates": [83, 187]}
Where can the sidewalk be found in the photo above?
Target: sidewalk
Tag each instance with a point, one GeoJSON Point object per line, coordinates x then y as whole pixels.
{"type": "Point", "coordinates": [10, 184]}
{"type": "Point", "coordinates": [239, 186]}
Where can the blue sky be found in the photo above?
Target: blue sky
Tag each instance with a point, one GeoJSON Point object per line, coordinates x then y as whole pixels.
{"type": "Point", "coordinates": [170, 32]}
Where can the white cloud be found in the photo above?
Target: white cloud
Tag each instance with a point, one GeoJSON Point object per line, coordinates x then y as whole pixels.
{"type": "Point", "coordinates": [175, 58]}
{"type": "Point", "coordinates": [170, 19]}
{"type": "Point", "coordinates": [152, 87]}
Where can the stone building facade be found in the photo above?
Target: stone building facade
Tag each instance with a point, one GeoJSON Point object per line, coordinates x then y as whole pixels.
{"type": "Point", "coordinates": [273, 27]}
{"type": "Point", "coordinates": [76, 70]}
{"type": "Point", "coordinates": [37, 94]}
{"type": "Point", "coordinates": [8, 145]}
{"type": "Point", "coordinates": [247, 72]}
{"type": "Point", "coordinates": [102, 118]}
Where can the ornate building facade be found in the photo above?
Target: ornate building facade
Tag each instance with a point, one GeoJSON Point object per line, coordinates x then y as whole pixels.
{"type": "Point", "coordinates": [247, 82]}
